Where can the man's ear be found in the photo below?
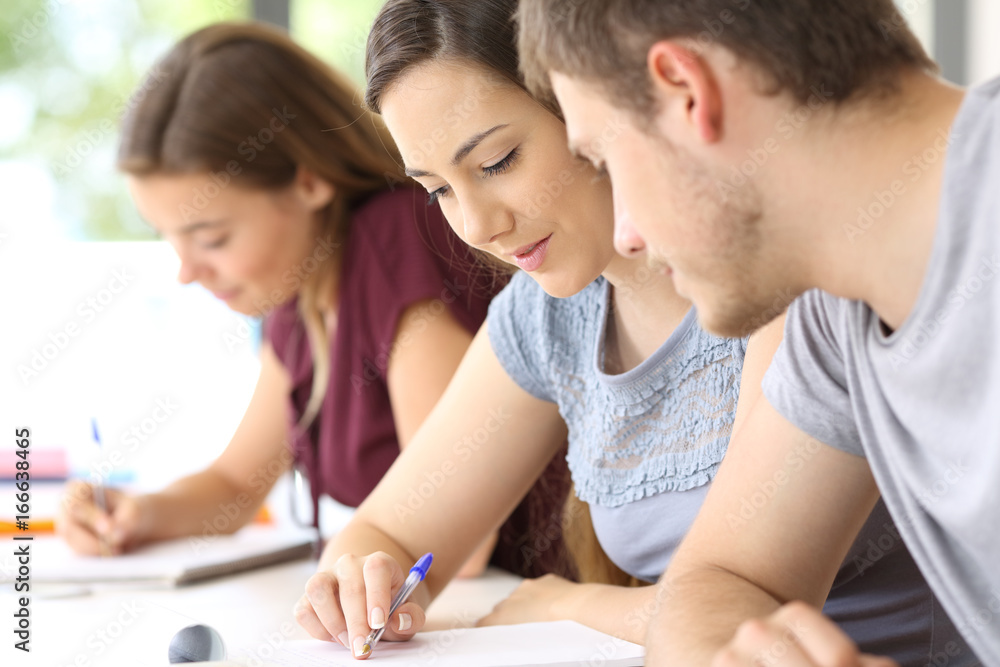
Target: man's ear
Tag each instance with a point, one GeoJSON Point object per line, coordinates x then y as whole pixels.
{"type": "Point", "coordinates": [313, 191]}
{"type": "Point", "coordinates": [686, 91]}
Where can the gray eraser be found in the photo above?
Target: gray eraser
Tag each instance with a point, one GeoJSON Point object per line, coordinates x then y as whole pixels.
{"type": "Point", "coordinates": [196, 643]}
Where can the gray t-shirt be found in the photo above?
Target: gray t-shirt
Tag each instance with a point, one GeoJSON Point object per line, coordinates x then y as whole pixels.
{"type": "Point", "coordinates": [645, 445]}
{"type": "Point", "coordinates": [923, 404]}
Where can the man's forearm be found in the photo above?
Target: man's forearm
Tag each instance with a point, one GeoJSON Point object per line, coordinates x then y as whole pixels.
{"type": "Point", "coordinates": [698, 612]}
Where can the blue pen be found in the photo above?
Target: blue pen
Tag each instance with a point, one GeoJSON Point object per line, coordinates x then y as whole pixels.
{"type": "Point", "coordinates": [416, 575]}
{"type": "Point", "coordinates": [99, 498]}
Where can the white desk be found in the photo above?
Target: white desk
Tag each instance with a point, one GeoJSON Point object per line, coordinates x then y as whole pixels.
{"type": "Point", "coordinates": [252, 611]}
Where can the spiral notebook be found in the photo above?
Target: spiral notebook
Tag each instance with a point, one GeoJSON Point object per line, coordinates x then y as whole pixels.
{"type": "Point", "coordinates": [173, 563]}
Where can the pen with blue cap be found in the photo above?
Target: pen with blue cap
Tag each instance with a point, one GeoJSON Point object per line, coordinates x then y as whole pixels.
{"type": "Point", "coordinates": [99, 497]}
{"type": "Point", "coordinates": [413, 579]}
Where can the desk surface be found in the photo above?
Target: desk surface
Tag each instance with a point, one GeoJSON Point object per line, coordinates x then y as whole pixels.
{"type": "Point", "coordinates": [252, 611]}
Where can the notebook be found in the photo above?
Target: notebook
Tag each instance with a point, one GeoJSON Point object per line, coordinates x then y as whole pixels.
{"type": "Point", "coordinates": [172, 563]}
{"type": "Point", "coordinates": [555, 644]}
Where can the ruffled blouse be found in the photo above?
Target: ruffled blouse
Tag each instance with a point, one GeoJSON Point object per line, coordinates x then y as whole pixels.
{"type": "Point", "coordinates": [643, 445]}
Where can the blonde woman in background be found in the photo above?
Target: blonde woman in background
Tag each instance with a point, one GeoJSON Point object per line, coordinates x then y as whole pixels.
{"type": "Point", "coordinates": [255, 161]}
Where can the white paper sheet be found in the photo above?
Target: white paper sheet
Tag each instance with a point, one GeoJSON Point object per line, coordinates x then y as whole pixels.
{"type": "Point", "coordinates": [165, 563]}
{"type": "Point", "coordinates": [560, 643]}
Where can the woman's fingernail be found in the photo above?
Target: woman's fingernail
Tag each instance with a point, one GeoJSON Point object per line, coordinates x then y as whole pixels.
{"type": "Point", "coordinates": [405, 622]}
{"type": "Point", "coordinates": [344, 640]}
{"type": "Point", "coordinates": [377, 619]}
{"type": "Point", "coordinates": [360, 648]}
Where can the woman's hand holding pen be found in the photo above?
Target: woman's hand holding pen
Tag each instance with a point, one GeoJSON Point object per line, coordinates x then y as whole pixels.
{"type": "Point", "coordinates": [347, 601]}
{"type": "Point", "coordinates": [89, 530]}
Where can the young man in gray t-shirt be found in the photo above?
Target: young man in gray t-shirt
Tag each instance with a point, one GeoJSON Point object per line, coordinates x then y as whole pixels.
{"type": "Point", "coordinates": [757, 151]}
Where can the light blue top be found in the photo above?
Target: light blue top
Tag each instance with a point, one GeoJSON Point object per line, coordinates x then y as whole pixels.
{"type": "Point", "coordinates": [661, 428]}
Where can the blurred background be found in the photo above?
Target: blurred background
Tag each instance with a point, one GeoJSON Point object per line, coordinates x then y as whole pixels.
{"type": "Point", "coordinates": [95, 324]}
{"type": "Point", "coordinates": [166, 369]}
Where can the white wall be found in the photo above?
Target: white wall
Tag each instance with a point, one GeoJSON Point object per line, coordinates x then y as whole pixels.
{"type": "Point", "coordinates": [984, 40]}
{"type": "Point", "coordinates": [146, 340]}
{"type": "Point", "coordinates": [982, 43]}
{"type": "Point", "coordinates": [920, 15]}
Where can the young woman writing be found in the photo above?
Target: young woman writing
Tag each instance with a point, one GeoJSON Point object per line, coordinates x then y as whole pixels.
{"type": "Point", "coordinates": [255, 162]}
{"type": "Point", "coordinates": [582, 338]}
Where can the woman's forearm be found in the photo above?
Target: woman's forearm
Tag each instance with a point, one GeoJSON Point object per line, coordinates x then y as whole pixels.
{"type": "Point", "coordinates": [615, 610]}
{"type": "Point", "coordinates": [205, 504]}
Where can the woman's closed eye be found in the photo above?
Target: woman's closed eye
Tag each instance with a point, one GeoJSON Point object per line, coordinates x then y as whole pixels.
{"type": "Point", "coordinates": [503, 164]}
{"type": "Point", "coordinates": [495, 169]}
{"type": "Point", "coordinates": [434, 195]}
{"type": "Point", "coordinates": [216, 243]}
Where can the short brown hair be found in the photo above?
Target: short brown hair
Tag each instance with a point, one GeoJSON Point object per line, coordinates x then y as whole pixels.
{"type": "Point", "coordinates": [846, 48]}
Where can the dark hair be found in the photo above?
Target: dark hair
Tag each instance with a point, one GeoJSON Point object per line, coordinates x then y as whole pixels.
{"type": "Point", "coordinates": [847, 48]}
{"type": "Point", "coordinates": [407, 33]}
{"type": "Point", "coordinates": [229, 83]}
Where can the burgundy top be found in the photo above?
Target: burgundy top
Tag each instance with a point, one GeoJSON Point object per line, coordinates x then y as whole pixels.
{"type": "Point", "coordinates": [399, 251]}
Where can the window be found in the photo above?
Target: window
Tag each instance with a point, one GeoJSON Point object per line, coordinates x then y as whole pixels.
{"type": "Point", "coordinates": [68, 69]}
{"type": "Point", "coordinates": [100, 326]}
{"type": "Point", "coordinates": [335, 31]}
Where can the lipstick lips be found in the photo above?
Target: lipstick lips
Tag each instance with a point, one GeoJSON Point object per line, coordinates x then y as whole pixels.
{"type": "Point", "coordinates": [530, 257]}
{"type": "Point", "coordinates": [523, 250]}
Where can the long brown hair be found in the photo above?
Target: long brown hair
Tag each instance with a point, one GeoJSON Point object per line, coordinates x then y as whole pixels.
{"type": "Point", "coordinates": [407, 33]}
{"type": "Point", "coordinates": [242, 101]}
